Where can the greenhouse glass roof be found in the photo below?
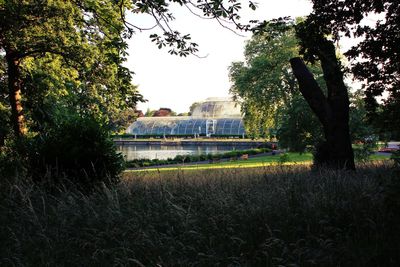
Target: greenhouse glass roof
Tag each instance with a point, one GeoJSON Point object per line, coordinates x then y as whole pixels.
{"type": "Point", "coordinates": [219, 117]}
{"type": "Point", "coordinates": [187, 126]}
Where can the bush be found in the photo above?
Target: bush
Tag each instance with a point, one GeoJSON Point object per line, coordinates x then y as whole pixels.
{"type": "Point", "coordinates": [363, 152]}
{"type": "Point", "coordinates": [79, 150]}
{"type": "Point", "coordinates": [12, 164]}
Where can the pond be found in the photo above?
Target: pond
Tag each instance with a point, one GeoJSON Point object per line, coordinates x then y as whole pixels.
{"type": "Point", "coordinates": [134, 151]}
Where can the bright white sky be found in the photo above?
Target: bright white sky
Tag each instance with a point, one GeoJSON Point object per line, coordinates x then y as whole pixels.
{"type": "Point", "coordinates": [175, 82]}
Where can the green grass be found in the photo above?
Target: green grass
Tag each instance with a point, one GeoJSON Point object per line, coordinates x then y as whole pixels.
{"type": "Point", "coordinates": [272, 216]}
{"type": "Point", "coordinates": [380, 157]}
{"type": "Point", "coordinates": [254, 162]}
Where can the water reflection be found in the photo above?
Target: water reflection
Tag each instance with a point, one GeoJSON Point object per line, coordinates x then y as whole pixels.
{"type": "Point", "coordinates": [131, 152]}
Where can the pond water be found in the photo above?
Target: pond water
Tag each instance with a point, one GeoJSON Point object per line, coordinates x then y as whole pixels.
{"type": "Point", "coordinates": [133, 151]}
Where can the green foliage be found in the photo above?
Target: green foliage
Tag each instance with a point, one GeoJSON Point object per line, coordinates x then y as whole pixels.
{"type": "Point", "coordinates": [263, 84]}
{"type": "Point", "coordinates": [12, 164]}
{"type": "Point", "coordinates": [299, 127]}
{"type": "Point", "coordinates": [267, 90]}
{"type": "Point", "coordinates": [360, 126]}
{"type": "Point", "coordinates": [149, 113]}
{"type": "Point", "coordinates": [181, 44]}
{"type": "Point", "coordinates": [70, 55]}
{"type": "Point", "coordinates": [192, 107]}
{"type": "Point", "coordinates": [364, 151]}
{"type": "Point", "coordinates": [120, 120]}
{"type": "Point", "coordinates": [77, 149]}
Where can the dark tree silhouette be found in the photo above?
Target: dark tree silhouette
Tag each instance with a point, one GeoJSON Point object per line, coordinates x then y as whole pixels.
{"type": "Point", "coordinates": [376, 59]}
{"type": "Point", "coordinates": [379, 68]}
{"type": "Point", "coordinates": [332, 110]}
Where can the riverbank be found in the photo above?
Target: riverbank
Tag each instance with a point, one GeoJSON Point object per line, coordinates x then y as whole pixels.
{"type": "Point", "coordinates": [254, 161]}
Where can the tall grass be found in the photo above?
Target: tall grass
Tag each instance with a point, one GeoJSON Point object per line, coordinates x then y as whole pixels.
{"type": "Point", "coordinates": [288, 216]}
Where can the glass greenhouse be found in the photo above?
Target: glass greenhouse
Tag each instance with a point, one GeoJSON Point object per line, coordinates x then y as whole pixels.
{"type": "Point", "coordinates": [213, 117]}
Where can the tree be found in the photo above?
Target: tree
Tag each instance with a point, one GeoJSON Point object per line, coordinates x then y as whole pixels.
{"type": "Point", "coordinates": [264, 84]}
{"type": "Point", "coordinates": [52, 87]}
{"type": "Point", "coordinates": [266, 87]}
{"type": "Point", "coordinates": [71, 51]}
{"type": "Point", "coordinates": [121, 120]}
{"type": "Point", "coordinates": [360, 128]}
{"type": "Point", "coordinates": [376, 59]}
{"type": "Point", "coordinates": [378, 64]}
{"type": "Point", "coordinates": [4, 111]}
{"type": "Point", "coordinates": [192, 107]}
{"type": "Point", "coordinates": [225, 12]}
{"type": "Point", "coordinates": [298, 128]}
{"type": "Point", "coordinates": [149, 112]}
{"type": "Point", "coordinates": [332, 110]}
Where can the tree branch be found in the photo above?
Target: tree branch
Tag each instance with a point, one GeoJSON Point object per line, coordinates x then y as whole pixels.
{"type": "Point", "coordinates": [310, 90]}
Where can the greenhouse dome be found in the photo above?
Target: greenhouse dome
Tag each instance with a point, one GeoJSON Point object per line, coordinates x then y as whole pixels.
{"type": "Point", "coordinates": [216, 108]}
{"type": "Point", "coordinates": [212, 117]}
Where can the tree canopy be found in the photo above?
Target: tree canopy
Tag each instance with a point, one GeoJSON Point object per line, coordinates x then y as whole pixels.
{"type": "Point", "coordinates": [265, 86]}
{"type": "Point", "coordinates": [63, 55]}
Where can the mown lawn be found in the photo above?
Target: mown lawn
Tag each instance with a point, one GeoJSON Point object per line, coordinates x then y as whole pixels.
{"type": "Point", "coordinates": [252, 162]}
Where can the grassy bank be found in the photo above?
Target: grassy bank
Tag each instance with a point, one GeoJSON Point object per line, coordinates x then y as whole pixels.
{"type": "Point", "coordinates": [254, 162]}
{"type": "Point", "coordinates": [253, 217]}
{"type": "Point", "coordinates": [181, 159]}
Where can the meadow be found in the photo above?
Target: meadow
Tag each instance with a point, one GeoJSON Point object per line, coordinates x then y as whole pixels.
{"type": "Point", "coordinates": [267, 216]}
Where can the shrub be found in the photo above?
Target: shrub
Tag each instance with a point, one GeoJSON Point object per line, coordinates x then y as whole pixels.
{"type": "Point", "coordinates": [79, 150]}
{"type": "Point", "coordinates": [12, 164]}
{"type": "Point", "coordinates": [180, 158]}
{"type": "Point", "coordinates": [203, 157]}
{"type": "Point", "coordinates": [363, 152]}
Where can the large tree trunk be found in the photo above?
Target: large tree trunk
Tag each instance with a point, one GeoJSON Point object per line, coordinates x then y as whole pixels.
{"type": "Point", "coordinates": [14, 93]}
{"type": "Point", "coordinates": [332, 111]}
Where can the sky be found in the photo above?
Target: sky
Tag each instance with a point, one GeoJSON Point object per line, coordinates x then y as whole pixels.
{"type": "Point", "coordinates": [175, 82]}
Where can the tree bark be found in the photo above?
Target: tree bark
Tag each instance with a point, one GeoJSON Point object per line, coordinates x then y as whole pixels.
{"type": "Point", "coordinates": [14, 93]}
{"type": "Point", "coordinates": [332, 111]}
